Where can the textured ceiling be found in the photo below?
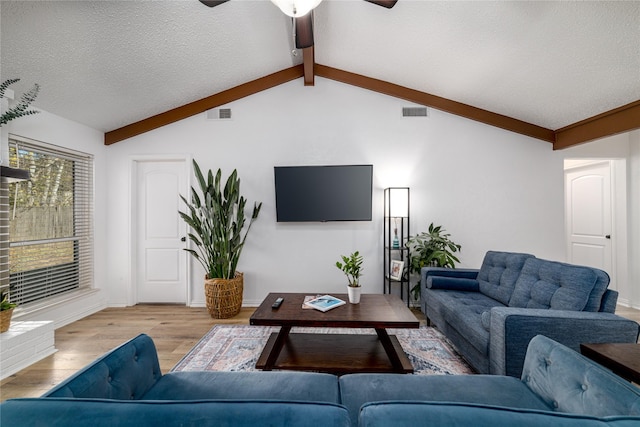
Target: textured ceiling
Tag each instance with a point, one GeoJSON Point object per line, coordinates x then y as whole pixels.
{"type": "Point", "coordinates": [110, 63]}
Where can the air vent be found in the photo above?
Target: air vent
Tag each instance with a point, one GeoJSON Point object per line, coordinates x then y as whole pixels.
{"type": "Point", "coordinates": [219, 114]}
{"type": "Point", "coordinates": [414, 112]}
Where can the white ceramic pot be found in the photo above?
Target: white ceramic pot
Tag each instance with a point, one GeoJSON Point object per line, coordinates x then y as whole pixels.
{"type": "Point", "coordinates": [354, 294]}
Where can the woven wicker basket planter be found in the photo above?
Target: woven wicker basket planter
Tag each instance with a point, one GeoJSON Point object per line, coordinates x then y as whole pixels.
{"type": "Point", "coordinates": [224, 296]}
{"type": "Point", "coordinates": [5, 319]}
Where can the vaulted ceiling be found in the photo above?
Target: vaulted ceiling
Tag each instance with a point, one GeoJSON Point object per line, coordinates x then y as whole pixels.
{"type": "Point", "coordinates": [108, 64]}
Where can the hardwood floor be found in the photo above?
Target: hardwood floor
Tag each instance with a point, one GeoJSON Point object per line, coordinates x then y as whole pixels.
{"type": "Point", "coordinates": [174, 329]}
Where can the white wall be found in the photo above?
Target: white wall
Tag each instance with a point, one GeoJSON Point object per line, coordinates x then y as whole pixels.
{"type": "Point", "coordinates": [633, 174]}
{"type": "Point", "coordinates": [55, 130]}
{"type": "Point", "coordinates": [490, 188]}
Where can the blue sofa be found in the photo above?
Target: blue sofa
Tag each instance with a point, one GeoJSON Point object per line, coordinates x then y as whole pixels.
{"type": "Point", "coordinates": [125, 388]}
{"type": "Point", "coordinates": [490, 314]}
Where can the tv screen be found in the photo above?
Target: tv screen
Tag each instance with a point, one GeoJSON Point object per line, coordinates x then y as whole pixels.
{"type": "Point", "coordinates": [323, 193]}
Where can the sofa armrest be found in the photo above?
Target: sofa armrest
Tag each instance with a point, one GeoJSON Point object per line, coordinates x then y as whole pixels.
{"type": "Point", "coordinates": [512, 328]}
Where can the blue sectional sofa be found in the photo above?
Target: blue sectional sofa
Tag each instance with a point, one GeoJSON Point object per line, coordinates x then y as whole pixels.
{"type": "Point", "coordinates": [490, 314]}
{"type": "Point", "coordinates": [559, 387]}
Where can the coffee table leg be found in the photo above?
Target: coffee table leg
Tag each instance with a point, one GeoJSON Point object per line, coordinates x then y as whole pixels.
{"type": "Point", "coordinates": [389, 348]}
{"type": "Point", "coordinates": [277, 347]}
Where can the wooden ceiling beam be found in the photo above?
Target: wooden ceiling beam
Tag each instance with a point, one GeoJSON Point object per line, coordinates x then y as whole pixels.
{"type": "Point", "coordinates": [204, 104]}
{"type": "Point", "coordinates": [439, 103]}
{"type": "Point", "coordinates": [309, 62]}
{"type": "Point", "coordinates": [619, 120]}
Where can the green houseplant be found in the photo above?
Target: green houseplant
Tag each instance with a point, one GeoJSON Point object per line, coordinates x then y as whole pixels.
{"type": "Point", "coordinates": [431, 248]}
{"type": "Point", "coordinates": [20, 109]}
{"type": "Point", "coordinates": [351, 266]}
{"type": "Point", "coordinates": [6, 310]}
{"type": "Point", "coordinates": [217, 220]}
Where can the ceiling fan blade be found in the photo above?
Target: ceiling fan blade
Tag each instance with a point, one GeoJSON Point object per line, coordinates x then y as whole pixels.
{"type": "Point", "coordinates": [213, 3]}
{"type": "Point", "coordinates": [384, 3]}
{"type": "Point", "coordinates": [304, 31]}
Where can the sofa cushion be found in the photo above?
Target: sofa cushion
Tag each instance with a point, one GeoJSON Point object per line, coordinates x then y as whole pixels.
{"type": "Point", "coordinates": [463, 311]}
{"type": "Point", "coordinates": [126, 372]}
{"type": "Point", "coordinates": [445, 414]}
{"type": "Point", "coordinates": [596, 298]}
{"type": "Point", "coordinates": [357, 389]}
{"type": "Point", "coordinates": [554, 285]}
{"type": "Point", "coordinates": [570, 382]}
{"type": "Point", "coordinates": [307, 386]}
{"type": "Point", "coordinates": [452, 283]}
{"type": "Point", "coordinates": [65, 412]}
{"type": "Point", "coordinates": [486, 320]}
{"type": "Point", "coordinates": [499, 272]}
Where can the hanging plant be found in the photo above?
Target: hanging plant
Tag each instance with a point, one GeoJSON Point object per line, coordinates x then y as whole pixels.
{"type": "Point", "coordinates": [21, 108]}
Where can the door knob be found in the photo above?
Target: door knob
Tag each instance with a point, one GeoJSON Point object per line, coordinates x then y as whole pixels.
{"type": "Point", "coordinates": [184, 239]}
{"type": "Point", "coordinates": [608, 236]}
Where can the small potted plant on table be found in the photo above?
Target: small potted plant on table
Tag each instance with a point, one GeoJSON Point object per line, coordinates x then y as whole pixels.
{"type": "Point", "coordinates": [351, 266]}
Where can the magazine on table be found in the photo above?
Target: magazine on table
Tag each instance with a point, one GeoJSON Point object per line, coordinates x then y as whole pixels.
{"type": "Point", "coordinates": [325, 303]}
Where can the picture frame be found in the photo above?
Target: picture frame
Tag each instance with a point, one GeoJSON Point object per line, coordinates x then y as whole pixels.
{"type": "Point", "coordinates": [396, 268]}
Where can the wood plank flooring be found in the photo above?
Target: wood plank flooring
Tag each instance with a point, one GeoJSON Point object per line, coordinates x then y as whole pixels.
{"type": "Point", "coordinates": [174, 329]}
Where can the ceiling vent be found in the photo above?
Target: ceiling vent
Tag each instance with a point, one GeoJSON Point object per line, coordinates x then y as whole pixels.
{"type": "Point", "coordinates": [219, 114]}
{"type": "Point", "coordinates": [414, 112]}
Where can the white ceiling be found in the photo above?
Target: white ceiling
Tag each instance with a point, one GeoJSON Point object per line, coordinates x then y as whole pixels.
{"type": "Point", "coordinates": [110, 63]}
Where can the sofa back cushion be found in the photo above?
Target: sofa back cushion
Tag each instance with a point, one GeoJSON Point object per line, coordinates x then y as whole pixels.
{"type": "Point", "coordinates": [596, 301]}
{"type": "Point", "coordinates": [570, 382]}
{"type": "Point", "coordinates": [125, 373]}
{"type": "Point", "coordinates": [499, 272]}
{"type": "Point", "coordinates": [553, 285]}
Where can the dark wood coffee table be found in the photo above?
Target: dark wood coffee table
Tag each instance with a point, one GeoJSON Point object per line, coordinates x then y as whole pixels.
{"type": "Point", "coordinates": [335, 353]}
{"type": "Point", "coordinates": [622, 358]}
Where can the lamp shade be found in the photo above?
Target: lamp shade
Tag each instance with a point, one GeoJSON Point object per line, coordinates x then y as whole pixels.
{"type": "Point", "coordinates": [397, 201]}
{"type": "Point", "coordinates": [296, 8]}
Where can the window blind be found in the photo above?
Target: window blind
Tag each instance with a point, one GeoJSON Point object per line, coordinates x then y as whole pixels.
{"type": "Point", "coordinates": [50, 222]}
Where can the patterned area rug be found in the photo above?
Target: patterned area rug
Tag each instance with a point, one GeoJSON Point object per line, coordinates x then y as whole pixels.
{"type": "Point", "coordinates": [237, 348]}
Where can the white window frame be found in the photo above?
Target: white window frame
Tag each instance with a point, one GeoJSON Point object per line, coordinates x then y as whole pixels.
{"type": "Point", "coordinates": [78, 274]}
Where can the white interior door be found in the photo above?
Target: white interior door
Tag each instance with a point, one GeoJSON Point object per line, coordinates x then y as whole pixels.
{"type": "Point", "coordinates": [161, 268]}
{"type": "Point", "coordinates": [588, 216]}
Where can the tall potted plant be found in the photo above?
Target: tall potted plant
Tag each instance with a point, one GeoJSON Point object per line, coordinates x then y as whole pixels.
{"type": "Point", "coordinates": [351, 266]}
{"type": "Point", "coordinates": [217, 219]}
{"type": "Point", "coordinates": [432, 248]}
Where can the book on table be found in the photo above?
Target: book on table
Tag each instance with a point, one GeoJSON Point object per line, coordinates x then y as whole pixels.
{"type": "Point", "coordinates": [325, 302]}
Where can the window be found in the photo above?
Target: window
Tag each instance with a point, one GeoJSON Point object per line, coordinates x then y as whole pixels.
{"type": "Point", "coordinates": [50, 222]}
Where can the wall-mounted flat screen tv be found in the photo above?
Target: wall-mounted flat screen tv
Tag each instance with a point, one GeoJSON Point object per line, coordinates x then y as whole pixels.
{"type": "Point", "coordinates": [323, 193]}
